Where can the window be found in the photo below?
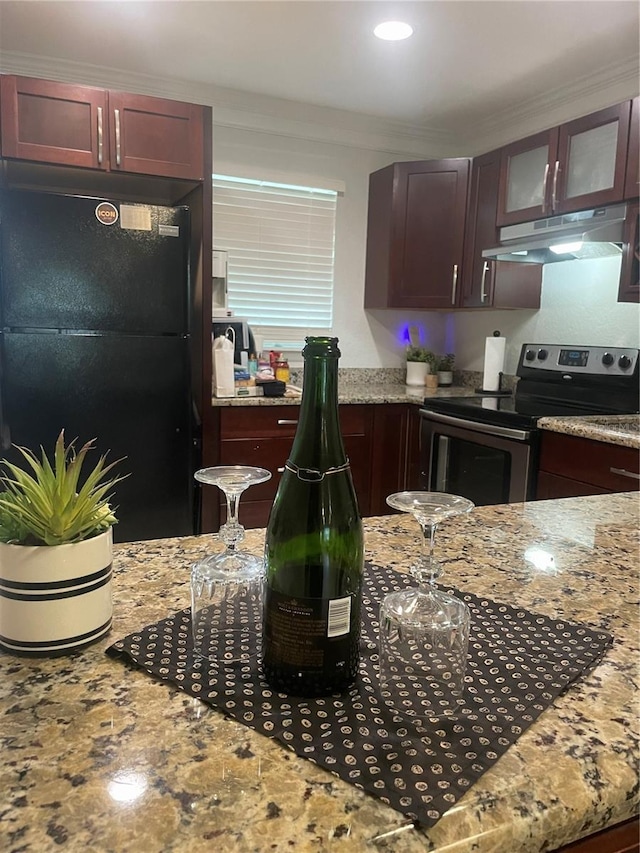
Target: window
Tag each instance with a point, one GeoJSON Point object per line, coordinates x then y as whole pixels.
{"type": "Point", "coordinates": [279, 240]}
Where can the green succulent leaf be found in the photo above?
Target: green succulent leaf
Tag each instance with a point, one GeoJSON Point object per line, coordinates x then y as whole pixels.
{"type": "Point", "coordinates": [44, 503]}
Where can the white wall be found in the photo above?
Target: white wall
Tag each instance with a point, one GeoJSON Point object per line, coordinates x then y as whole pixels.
{"type": "Point", "coordinates": [578, 307]}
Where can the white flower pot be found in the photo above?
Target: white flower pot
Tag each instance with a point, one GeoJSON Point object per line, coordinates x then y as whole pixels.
{"type": "Point", "coordinates": [55, 599]}
{"type": "Point", "coordinates": [416, 372]}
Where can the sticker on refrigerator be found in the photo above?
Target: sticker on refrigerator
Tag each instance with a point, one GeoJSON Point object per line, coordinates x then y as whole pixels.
{"type": "Point", "coordinates": [169, 230]}
{"type": "Point", "coordinates": [135, 217]}
{"type": "Point", "coordinates": [107, 213]}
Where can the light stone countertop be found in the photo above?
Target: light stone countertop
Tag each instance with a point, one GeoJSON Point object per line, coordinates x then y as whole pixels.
{"type": "Point", "coordinates": [100, 757]}
{"type": "Point", "coordinates": [612, 429]}
{"type": "Point", "coordinates": [357, 392]}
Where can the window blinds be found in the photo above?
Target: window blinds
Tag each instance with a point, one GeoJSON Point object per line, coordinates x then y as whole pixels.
{"type": "Point", "coordinates": [280, 243]}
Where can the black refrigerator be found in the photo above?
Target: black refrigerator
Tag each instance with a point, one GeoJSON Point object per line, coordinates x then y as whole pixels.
{"type": "Point", "coordinates": [95, 316]}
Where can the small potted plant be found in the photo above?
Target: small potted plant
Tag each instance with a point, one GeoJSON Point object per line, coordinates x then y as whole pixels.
{"type": "Point", "coordinates": [55, 552]}
{"type": "Point", "coordinates": [420, 361]}
{"type": "Point", "coordinates": [444, 369]}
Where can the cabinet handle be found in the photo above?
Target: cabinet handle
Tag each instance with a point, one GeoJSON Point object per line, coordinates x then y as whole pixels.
{"type": "Point", "coordinates": [100, 139]}
{"type": "Point", "coordinates": [544, 188]}
{"type": "Point", "coordinates": [554, 187]}
{"type": "Point", "coordinates": [116, 114]}
{"type": "Point", "coordinates": [285, 422]}
{"type": "Point", "coordinates": [623, 473]}
{"type": "Point", "coordinates": [280, 470]}
{"type": "Point", "coordinates": [454, 284]}
{"type": "Point", "coordinates": [483, 291]}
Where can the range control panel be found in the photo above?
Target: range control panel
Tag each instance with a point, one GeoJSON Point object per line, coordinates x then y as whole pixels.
{"type": "Point", "coordinates": [594, 361]}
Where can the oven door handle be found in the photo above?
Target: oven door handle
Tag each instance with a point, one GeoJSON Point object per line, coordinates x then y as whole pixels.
{"type": "Point", "coordinates": [475, 426]}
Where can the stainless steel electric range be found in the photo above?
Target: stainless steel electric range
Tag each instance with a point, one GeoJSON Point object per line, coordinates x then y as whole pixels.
{"type": "Point", "coordinates": [485, 447]}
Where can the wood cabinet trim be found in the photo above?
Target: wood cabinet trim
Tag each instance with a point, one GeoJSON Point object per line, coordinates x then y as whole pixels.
{"type": "Point", "coordinates": [629, 288]}
{"type": "Point", "coordinates": [632, 178]}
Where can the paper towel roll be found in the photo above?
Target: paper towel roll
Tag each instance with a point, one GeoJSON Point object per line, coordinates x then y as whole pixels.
{"type": "Point", "coordinates": [493, 363]}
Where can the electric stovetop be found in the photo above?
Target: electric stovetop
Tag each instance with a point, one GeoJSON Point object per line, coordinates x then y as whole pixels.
{"type": "Point", "coordinates": [555, 380]}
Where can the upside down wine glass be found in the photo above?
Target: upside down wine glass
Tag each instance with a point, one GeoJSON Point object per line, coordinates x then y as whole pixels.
{"type": "Point", "coordinates": [424, 632]}
{"type": "Point", "coordinates": [226, 587]}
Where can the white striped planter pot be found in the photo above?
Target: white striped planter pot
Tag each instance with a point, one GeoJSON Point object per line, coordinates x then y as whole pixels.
{"type": "Point", "coordinates": [55, 599]}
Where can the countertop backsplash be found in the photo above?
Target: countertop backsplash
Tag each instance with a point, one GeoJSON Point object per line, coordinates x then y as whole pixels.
{"type": "Point", "coordinates": [392, 375]}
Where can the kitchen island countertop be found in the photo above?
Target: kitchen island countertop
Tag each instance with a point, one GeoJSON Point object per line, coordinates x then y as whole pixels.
{"type": "Point", "coordinates": [612, 429]}
{"type": "Point", "coordinates": [99, 756]}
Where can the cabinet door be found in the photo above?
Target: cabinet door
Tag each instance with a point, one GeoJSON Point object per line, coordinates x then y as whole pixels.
{"type": "Point", "coordinates": [54, 122]}
{"type": "Point", "coordinates": [629, 290]}
{"type": "Point", "coordinates": [488, 283]}
{"type": "Point", "coordinates": [608, 467]}
{"type": "Point", "coordinates": [481, 231]}
{"type": "Point", "coordinates": [551, 486]}
{"type": "Point", "coordinates": [153, 136]}
{"type": "Point", "coordinates": [428, 233]}
{"type": "Point", "coordinates": [632, 180]}
{"type": "Point", "coordinates": [592, 154]}
{"type": "Point", "coordinates": [525, 186]}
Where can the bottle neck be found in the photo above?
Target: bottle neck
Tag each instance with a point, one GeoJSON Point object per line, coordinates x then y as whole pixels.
{"type": "Point", "coordinates": [318, 440]}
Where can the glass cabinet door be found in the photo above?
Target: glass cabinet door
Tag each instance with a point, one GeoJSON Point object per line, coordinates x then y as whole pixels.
{"type": "Point", "coordinates": [590, 169]}
{"type": "Point", "coordinates": [576, 166]}
{"type": "Point", "coordinates": [524, 178]}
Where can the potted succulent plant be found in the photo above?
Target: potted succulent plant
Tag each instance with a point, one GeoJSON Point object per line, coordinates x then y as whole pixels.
{"type": "Point", "coordinates": [55, 551]}
{"type": "Point", "coordinates": [444, 369]}
{"type": "Point", "coordinates": [420, 362]}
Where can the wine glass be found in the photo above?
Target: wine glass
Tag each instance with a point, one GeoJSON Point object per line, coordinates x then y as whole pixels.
{"type": "Point", "coordinates": [424, 632]}
{"type": "Point", "coordinates": [226, 587]}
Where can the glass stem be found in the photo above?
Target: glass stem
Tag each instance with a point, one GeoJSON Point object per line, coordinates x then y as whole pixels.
{"type": "Point", "coordinates": [232, 515]}
{"type": "Point", "coordinates": [430, 568]}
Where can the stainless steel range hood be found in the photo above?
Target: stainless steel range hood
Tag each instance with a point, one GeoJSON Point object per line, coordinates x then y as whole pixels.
{"type": "Point", "coordinates": [588, 234]}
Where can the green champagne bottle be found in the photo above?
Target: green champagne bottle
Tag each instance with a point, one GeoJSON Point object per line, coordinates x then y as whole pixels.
{"type": "Point", "coordinates": [314, 548]}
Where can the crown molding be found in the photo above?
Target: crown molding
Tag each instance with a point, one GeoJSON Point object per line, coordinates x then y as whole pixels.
{"type": "Point", "coordinates": [245, 110]}
{"type": "Point", "coordinates": [587, 94]}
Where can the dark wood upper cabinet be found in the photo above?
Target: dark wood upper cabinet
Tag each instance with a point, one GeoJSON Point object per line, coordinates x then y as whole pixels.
{"type": "Point", "coordinates": [629, 290]}
{"type": "Point", "coordinates": [53, 122]}
{"type": "Point", "coordinates": [154, 136]}
{"type": "Point", "coordinates": [632, 180]}
{"type": "Point", "coordinates": [489, 283]}
{"type": "Point", "coordinates": [415, 234]}
{"type": "Point", "coordinates": [48, 122]}
{"type": "Point", "coordinates": [575, 166]}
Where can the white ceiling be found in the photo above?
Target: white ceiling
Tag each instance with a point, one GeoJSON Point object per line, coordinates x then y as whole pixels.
{"type": "Point", "coordinates": [467, 60]}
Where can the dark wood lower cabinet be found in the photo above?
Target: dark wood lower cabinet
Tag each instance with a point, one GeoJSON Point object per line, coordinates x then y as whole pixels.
{"type": "Point", "coordinates": [380, 441]}
{"type": "Point", "coordinates": [571, 466]}
{"type": "Point", "coordinates": [622, 838]}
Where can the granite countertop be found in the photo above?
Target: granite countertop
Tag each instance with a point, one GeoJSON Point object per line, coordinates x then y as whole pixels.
{"type": "Point", "coordinates": [356, 392]}
{"type": "Point", "coordinates": [99, 756]}
{"type": "Point", "coordinates": [612, 429]}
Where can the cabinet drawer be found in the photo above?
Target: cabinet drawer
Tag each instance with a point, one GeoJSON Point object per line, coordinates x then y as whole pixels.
{"type": "Point", "coordinates": [281, 421]}
{"type": "Point", "coordinates": [609, 466]}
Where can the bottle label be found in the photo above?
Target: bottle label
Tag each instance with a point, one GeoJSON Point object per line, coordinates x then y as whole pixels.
{"type": "Point", "coordinates": [309, 633]}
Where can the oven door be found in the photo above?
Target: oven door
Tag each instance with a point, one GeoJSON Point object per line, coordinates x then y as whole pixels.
{"type": "Point", "coordinates": [485, 463]}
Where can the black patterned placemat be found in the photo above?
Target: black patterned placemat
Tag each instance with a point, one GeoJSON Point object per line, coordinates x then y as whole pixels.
{"type": "Point", "coordinates": [518, 663]}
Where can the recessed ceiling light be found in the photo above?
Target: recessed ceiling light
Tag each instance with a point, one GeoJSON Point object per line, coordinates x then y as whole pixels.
{"type": "Point", "coordinates": [393, 31]}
